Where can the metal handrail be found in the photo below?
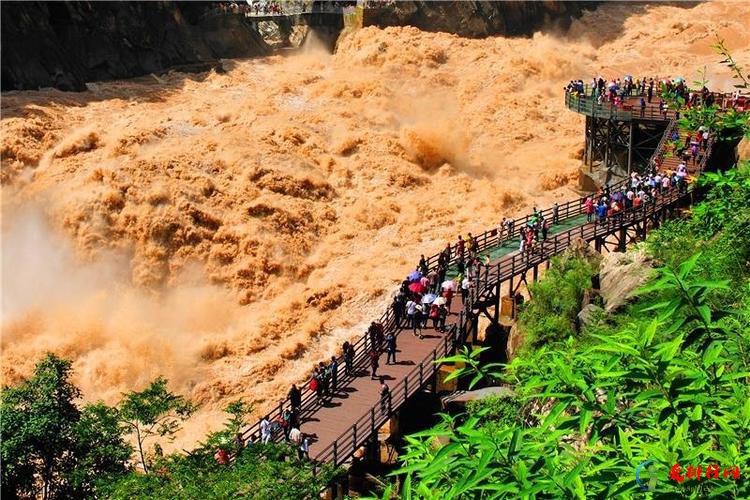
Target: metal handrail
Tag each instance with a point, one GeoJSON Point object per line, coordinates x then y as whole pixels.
{"type": "Point", "coordinates": [584, 103]}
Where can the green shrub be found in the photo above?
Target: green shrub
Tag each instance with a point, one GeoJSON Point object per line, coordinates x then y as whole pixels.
{"type": "Point", "coordinates": [262, 472]}
{"type": "Point", "coordinates": [556, 300]}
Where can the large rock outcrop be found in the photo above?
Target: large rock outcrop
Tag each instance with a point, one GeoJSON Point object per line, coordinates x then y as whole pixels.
{"type": "Point", "coordinates": [477, 19]}
{"type": "Point", "coordinates": [66, 44]}
{"type": "Point", "coordinates": [621, 274]}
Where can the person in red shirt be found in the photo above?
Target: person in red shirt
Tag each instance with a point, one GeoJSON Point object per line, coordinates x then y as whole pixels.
{"type": "Point", "coordinates": [221, 457]}
{"type": "Point", "coordinates": [588, 208]}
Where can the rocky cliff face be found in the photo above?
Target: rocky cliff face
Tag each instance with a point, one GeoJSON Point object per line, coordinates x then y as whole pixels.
{"type": "Point", "coordinates": [65, 44]}
{"type": "Point", "coordinates": [477, 19]}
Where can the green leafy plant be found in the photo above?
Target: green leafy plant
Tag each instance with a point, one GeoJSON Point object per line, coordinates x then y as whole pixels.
{"type": "Point", "coordinates": [552, 313]}
{"type": "Point", "coordinates": [51, 446]}
{"type": "Point", "coordinates": [153, 411]}
{"type": "Point", "coordinates": [469, 359]}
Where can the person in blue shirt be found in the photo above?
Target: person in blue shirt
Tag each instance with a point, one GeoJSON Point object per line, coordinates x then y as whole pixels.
{"type": "Point", "coordinates": [601, 211]}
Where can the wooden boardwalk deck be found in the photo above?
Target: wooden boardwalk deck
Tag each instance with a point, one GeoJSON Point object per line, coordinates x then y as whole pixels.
{"type": "Point", "coordinates": [353, 413]}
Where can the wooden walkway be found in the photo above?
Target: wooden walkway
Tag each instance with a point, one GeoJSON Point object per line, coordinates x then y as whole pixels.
{"type": "Point", "coordinates": [353, 415]}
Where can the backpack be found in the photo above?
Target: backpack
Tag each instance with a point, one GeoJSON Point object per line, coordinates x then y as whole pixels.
{"type": "Point", "coordinates": [314, 384]}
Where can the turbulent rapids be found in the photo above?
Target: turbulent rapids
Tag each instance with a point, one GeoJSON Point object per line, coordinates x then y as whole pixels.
{"type": "Point", "coordinates": [227, 230]}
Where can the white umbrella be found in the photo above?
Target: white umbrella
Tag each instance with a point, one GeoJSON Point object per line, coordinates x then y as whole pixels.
{"type": "Point", "coordinates": [428, 298]}
{"type": "Point", "coordinates": [449, 285]}
{"type": "Point", "coordinates": [440, 301]}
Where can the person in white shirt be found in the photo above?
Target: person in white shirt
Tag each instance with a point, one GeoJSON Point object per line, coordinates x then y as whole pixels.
{"type": "Point", "coordinates": [265, 430]}
{"type": "Point", "coordinates": [411, 311]}
{"type": "Point", "coordinates": [295, 436]}
{"type": "Point", "coordinates": [304, 447]}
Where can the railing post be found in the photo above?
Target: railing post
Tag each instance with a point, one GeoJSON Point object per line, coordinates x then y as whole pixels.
{"type": "Point", "coordinates": [420, 373]}
{"type": "Point", "coordinates": [406, 387]}
{"type": "Point", "coordinates": [335, 453]}
{"type": "Point", "coordinates": [354, 438]}
{"type": "Point", "coordinates": [372, 422]}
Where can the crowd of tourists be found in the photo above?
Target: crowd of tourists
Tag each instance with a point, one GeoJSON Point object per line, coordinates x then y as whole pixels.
{"type": "Point", "coordinates": [617, 91]}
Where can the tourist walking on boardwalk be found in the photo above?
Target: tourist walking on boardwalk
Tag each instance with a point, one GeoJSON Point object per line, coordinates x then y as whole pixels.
{"type": "Point", "coordinates": [601, 210]}
{"type": "Point", "coordinates": [265, 430]}
{"type": "Point", "coordinates": [471, 245]}
{"type": "Point", "coordinates": [295, 397]}
{"type": "Point", "coordinates": [348, 358]}
{"type": "Point", "coordinates": [501, 231]}
{"type": "Point", "coordinates": [239, 442]}
{"type": "Point", "coordinates": [417, 321]}
{"type": "Point", "coordinates": [385, 396]}
{"type": "Point", "coordinates": [433, 280]}
{"type": "Point", "coordinates": [295, 436]}
{"type": "Point", "coordinates": [316, 386]}
{"type": "Point", "coordinates": [460, 247]}
{"type": "Point", "coordinates": [303, 449]}
{"type": "Point", "coordinates": [334, 367]}
{"type": "Point", "coordinates": [445, 255]}
{"type": "Point", "coordinates": [530, 240]}
{"type": "Point", "coordinates": [374, 362]}
{"type": "Point", "coordinates": [324, 379]}
{"type": "Point", "coordinates": [448, 295]}
{"type": "Point", "coordinates": [375, 334]}
{"type": "Point", "coordinates": [423, 265]}
{"type": "Point", "coordinates": [411, 311]}
{"type": "Point", "coordinates": [556, 213]}
{"type": "Point", "coordinates": [588, 208]}
{"type": "Point", "coordinates": [442, 315]}
{"type": "Point", "coordinates": [435, 315]}
{"type": "Point", "coordinates": [286, 423]}
{"type": "Point", "coordinates": [399, 308]}
{"type": "Point", "coordinates": [390, 348]}
{"type": "Point", "coordinates": [465, 284]}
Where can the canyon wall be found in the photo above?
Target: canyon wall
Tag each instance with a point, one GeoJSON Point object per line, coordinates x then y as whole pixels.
{"type": "Point", "coordinates": [66, 44]}
{"type": "Point", "coordinates": [477, 19]}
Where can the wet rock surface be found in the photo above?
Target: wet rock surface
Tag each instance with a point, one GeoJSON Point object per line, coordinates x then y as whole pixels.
{"type": "Point", "coordinates": [66, 44]}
